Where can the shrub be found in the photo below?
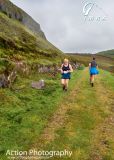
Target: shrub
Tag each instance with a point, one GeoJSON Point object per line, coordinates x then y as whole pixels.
{"type": "Point", "coordinates": [81, 67]}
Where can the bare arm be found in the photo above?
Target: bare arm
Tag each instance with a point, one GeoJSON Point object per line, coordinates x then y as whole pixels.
{"type": "Point", "coordinates": [61, 68]}
{"type": "Point", "coordinates": [89, 65]}
{"type": "Point", "coordinates": [71, 69]}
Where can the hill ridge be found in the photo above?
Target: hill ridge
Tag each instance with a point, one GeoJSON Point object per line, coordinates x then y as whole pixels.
{"type": "Point", "coordinates": [14, 12]}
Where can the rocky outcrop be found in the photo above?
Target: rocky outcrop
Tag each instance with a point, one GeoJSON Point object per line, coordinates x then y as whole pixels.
{"type": "Point", "coordinates": [14, 12]}
{"type": "Point", "coordinates": [6, 80]}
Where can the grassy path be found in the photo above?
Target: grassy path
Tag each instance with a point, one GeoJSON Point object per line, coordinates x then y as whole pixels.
{"type": "Point", "coordinates": [60, 116]}
{"type": "Point", "coordinates": [84, 121]}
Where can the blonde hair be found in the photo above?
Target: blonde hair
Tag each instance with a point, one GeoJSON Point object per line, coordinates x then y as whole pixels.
{"type": "Point", "coordinates": [66, 60]}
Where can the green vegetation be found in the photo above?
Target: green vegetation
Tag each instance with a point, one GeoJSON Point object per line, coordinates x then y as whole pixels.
{"type": "Point", "coordinates": [88, 130]}
{"type": "Point", "coordinates": [16, 13]}
{"type": "Point", "coordinates": [86, 125]}
{"type": "Point", "coordinates": [109, 53]}
{"type": "Point", "coordinates": [24, 112]}
{"type": "Point", "coordinates": [105, 61]}
{"type": "Point", "coordinates": [80, 120]}
{"type": "Point", "coordinates": [19, 43]}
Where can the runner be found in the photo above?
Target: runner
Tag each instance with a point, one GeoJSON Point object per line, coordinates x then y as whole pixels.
{"type": "Point", "coordinates": [66, 70]}
{"type": "Point", "coordinates": [93, 71]}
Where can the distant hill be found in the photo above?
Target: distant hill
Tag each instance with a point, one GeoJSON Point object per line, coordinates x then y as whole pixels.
{"type": "Point", "coordinates": [109, 53]}
{"type": "Point", "coordinates": [104, 59]}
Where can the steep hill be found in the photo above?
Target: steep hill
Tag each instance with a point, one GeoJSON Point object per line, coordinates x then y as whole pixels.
{"type": "Point", "coordinates": [22, 38]}
{"type": "Point", "coordinates": [18, 14]}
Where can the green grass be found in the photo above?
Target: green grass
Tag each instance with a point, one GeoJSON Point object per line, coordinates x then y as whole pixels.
{"type": "Point", "coordinates": [19, 43]}
{"type": "Point", "coordinates": [77, 130]}
{"type": "Point", "coordinates": [24, 112]}
{"type": "Point", "coordinates": [86, 115]}
{"type": "Point", "coordinates": [108, 79]}
{"type": "Point", "coordinates": [109, 53]}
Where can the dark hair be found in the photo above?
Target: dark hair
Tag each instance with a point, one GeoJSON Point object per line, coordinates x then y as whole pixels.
{"type": "Point", "coordinates": [93, 58]}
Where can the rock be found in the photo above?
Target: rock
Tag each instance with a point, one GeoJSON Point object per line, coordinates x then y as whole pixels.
{"type": "Point", "coordinates": [22, 68]}
{"type": "Point", "coordinates": [11, 78]}
{"type": "Point", "coordinates": [6, 80]}
{"type": "Point", "coordinates": [44, 69]}
{"type": "Point", "coordinates": [3, 81]}
{"type": "Point", "coordinates": [38, 85]}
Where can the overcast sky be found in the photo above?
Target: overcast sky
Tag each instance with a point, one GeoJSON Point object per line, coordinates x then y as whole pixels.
{"type": "Point", "coordinates": [64, 24]}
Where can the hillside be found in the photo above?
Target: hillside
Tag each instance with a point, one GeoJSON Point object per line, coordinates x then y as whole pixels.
{"type": "Point", "coordinates": [104, 60]}
{"type": "Point", "coordinates": [23, 39]}
{"type": "Point", "coordinates": [18, 14]}
{"type": "Point", "coordinates": [15, 36]}
{"type": "Point", "coordinates": [109, 53]}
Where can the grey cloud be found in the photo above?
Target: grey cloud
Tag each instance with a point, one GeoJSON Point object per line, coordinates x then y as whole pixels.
{"type": "Point", "coordinates": [64, 25]}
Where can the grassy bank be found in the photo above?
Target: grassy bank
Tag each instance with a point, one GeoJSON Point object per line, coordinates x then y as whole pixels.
{"type": "Point", "coordinates": [24, 112]}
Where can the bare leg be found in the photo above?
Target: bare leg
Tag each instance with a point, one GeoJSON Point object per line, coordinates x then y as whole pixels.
{"type": "Point", "coordinates": [66, 83]}
{"type": "Point", "coordinates": [63, 83]}
{"type": "Point", "coordinates": [92, 80]}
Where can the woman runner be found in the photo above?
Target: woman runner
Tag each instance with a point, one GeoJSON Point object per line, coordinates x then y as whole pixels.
{"type": "Point", "coordinates": [93, 71]}
{"type": "Point", "coordinates": [66, 70]}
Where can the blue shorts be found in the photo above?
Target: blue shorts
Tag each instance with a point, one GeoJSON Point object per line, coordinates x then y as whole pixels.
{"type": "Point", "coordinates": [93, 71]}
{"type": "Point", "coordinates": [66, 76]}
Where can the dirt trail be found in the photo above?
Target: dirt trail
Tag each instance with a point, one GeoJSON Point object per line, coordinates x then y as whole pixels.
{"type": "Point", "coordinates": [102, 133]}
{"type": "Point", "coordinates": [59, 117]}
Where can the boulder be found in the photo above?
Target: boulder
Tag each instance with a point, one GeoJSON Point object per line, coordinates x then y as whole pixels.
{"type": "Point", "coordinates": [38, 85]}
